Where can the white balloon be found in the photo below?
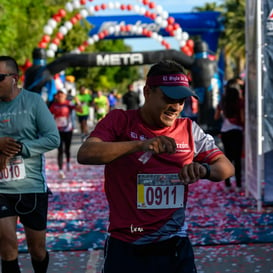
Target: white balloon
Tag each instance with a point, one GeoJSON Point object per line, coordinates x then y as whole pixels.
{"type": "Point", "coordinates": [90, 10]}
{"type": "Point", "coordinates": [117, 28]}
{"type": "Point", "coordinates": [90, 41]}
{"type": "Point", "coordinates": [178, 31]}
{"type": "Point", "coordinates": [117, 5]}
{"type": "Point", "coordinates": [69, 7]}
{"type": "Point", "coordinates": [160, 38]}
{"type": "Point", "coordinates": [76, 4]}
{"type": "Point", "coordinates": [139, 30]}
{"type": "Point", "coordinates": [134, 29]}
{"type": "Point", "coordinates": [51, 22]}
{"type": "Point", "coordinates": [164, 23]}
{"type": "Point", "coordinates": [136, 8]}
{"type": "Point", "coordinates": [96, 37]}
{"type": "Point", "coordinates": [84, 13]}
{"type": "Point", "coordinates": [165, 14]}
{"type": "Point", "coordinates": [159, 9]}
{"type": "Point", "coordinates": [68, 25]}
{"type": "Point", "coordinates": [111, 30]}
{"type": "Point", "coordinates": [154, 35]}
{"type": "Point", "coordinates": [182, 43]}
{"type": "Point", "coordinates": [53, 47]}
{"type": "Point", "coordinates": [185, 35]}
{"type": "Point", "coordinates": [50, 53]}
{"type": "Point", "coordinates": [111, 5]}
{"type": "Point", "coordinates": [178, 35]}
{"type": "Point", "coordinates": [142, 10]}
{"type": "Point", "coordinates": [158, 20]}
{"type": "Point", "coordinates": [63, 30]}
{"type": "Point", "coordinates": [48, 30]}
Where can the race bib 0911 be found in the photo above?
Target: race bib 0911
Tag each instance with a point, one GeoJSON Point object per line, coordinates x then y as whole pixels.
{"type": "Point", "coordinates": [159, 191]}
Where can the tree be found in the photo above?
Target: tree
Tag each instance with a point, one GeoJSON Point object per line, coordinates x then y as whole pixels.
{"type": "Point", "coordinates": [233, 38]}
{"type": "Point", "coordinates": [21, 29]}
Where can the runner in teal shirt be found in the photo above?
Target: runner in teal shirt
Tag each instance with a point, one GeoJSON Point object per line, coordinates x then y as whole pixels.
{"type": "Point", "coordinates": [27, 131]}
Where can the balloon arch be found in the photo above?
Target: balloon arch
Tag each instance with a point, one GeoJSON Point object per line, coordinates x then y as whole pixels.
{"type": "Point", "coordinates": [148, 9]}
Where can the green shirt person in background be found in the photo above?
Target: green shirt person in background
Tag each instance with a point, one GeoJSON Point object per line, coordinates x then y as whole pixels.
{"type": "Point", "coordinates": [84, 99]}
{"type": "Point", "coordinates": [101, 105]}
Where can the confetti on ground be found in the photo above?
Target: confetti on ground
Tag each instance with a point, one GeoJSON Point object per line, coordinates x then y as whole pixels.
{"type": "Point", "coordinates": [78, 213]}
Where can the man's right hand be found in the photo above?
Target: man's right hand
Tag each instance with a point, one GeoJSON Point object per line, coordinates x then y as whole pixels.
{"type": "Point", "coordinates": [9, 146]}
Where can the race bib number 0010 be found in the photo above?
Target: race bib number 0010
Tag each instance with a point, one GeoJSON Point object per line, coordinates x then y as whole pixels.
{"type": "Point", "coordinates": [159, 191]}
{"type": "Point", "coordinates": [14, 170]}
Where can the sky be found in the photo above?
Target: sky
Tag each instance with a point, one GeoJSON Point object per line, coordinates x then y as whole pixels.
{"type": "Point", "coordinates": [171, 6]}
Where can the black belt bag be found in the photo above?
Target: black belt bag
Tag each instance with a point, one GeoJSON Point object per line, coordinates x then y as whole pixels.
{"type": "Point", "coordinates": [164, 248]}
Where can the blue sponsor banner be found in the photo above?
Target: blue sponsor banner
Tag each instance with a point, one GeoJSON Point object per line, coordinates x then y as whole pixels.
{"type": "Point", "coordinates": [207, 25]}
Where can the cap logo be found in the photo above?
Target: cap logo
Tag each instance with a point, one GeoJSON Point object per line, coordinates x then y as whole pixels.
{"type": "Point", "coordinates": [168, 80]}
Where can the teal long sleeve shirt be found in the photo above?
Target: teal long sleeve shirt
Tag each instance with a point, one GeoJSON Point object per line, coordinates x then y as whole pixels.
{"type": "Point", "coordinates": [28, 120]}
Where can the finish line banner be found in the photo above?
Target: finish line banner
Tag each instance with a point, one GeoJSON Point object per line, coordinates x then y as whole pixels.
{"type": "Point", "coordinates": [207, 25]}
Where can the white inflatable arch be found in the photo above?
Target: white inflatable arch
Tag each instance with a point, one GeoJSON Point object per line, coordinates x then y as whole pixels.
{"type": "Point", "coordinates": [153, 11]}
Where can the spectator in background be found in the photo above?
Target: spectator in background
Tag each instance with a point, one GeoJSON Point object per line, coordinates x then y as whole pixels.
{"type": "Point", "coordinates": [131, 98]}
{"type": "Point", "coordinates": [112, 99]}
{"type": "Point", "coordinates": [84, 98]}
{"type": "Point", "coordinates": [231, 110]}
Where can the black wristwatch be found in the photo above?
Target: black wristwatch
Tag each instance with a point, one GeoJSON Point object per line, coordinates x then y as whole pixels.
{"type": "Point", "coordinates": [207, 166]}
{"type": "Point", "coordinates": [21, 148]}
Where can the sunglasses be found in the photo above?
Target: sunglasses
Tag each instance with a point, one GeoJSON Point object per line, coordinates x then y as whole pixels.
{"type": "Point", "coordinates": [3, 76]}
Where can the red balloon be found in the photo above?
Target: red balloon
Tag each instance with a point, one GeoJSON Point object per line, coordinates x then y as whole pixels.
{"type": "Point", "coordinates": [56, 41]}
{"type": "Point", "coordinates": [83, 2]}
{"type": "Point", "coordinates": [101, 35]}
{"type": "Point", "coordinates": [145, 2]}
{"type": "Point", "coordinates": [97, 8]}
{"type": "Point", "coordinates": [128, 28]}
{"type": "Point", "coordinates": [169, 28]}
{"type": "Point", "coordinates": [186, 50]}
{"type": "Point", "coordinates": [164, 43]}
{"type": "Point", "coordinates": [73, 20]}
{"type": "Point", "coordinates": [190, 43]}
{"type": "Point", "coordinates": [57, 18]}
{"type": "Point", "coordinates": [122, 6]}
{"type": "Point", "coordinates": [62, 13]}
{"type": "Point", "coordinates": [151, 5]}
{"type": "Point", "coordinates": [59, 35]}
{"type": "Point", "coordinates": [103, 6]}
{"type": "Point", "coordinates": [170, 20]}
{"type": "Point", "coordinates": [81, 48]}
{"type": "Point", "coordinates": [147, 13]}
{"type": "Point", "coordinates": [78, 16]}
{"type": "Point", "coordinates": [46, 38]}
{"type": "Point", "coordinates": [129, 7]}
{"type": "Point", "coordinates": [145, 31]}
{"type": "Point", "coordinates": [42, 45]}
{"type": "Point", "coordinates": [122, 28]}
{"type": "Point", "coordinates": [105, 32]}
{"type": "Point", "coordinates": [153, 16]}
{"type": "Point", "coordinates": [27, 63]}
{"type": "Point", "coordinates": [176, 26]}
